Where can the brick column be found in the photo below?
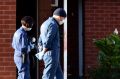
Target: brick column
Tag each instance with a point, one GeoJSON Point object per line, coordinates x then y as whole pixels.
{"type": "Point", "coordinates": [7, 28]}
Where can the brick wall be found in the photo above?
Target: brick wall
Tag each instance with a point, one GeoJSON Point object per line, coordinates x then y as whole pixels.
{"type": "Point", "coordinates": [7, 28]}
{"type": "Point", "coordinates": [101, 18]}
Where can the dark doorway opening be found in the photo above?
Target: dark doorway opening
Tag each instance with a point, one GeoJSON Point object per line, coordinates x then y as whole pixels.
{"type": "Point", "coordinates": [28, 8]}
{"type": "Point", "coordinates": [73, 39]}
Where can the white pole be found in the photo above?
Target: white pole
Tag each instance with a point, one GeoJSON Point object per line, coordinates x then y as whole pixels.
{"type": "Point", "coordinates": [65, 42]}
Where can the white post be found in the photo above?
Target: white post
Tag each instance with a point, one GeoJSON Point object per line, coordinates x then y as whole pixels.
{"type": "Point", "coordinates": [65, 42]}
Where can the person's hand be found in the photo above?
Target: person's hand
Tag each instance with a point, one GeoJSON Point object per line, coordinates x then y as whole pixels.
{"type": "Point", "coordinates": [40, 55]}
{"type": "Point", "coordinates": [40, 48]}
{"type": "Point", "coordinates": [33, 39]}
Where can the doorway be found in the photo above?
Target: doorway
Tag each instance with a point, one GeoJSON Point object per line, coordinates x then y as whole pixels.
{"type": "Point", "coordinates": [28, 8]}
{"type": "Point", "coordinates": [73, 40]}
{"type": "Point", "coordinates": [40, 12]}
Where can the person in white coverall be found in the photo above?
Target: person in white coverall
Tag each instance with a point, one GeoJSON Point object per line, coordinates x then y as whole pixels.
{"type": "Point", "coordinates": [22, 46]}
{"type": "Point", "coordinates": [49, 41]}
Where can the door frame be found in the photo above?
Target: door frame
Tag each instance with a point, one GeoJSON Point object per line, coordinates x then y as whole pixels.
{"type": "Point", "coordinates": [80, 14]}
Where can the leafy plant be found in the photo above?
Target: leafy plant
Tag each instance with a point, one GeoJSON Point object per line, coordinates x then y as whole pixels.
{"type": "Point", "coordinates": [108, 58]}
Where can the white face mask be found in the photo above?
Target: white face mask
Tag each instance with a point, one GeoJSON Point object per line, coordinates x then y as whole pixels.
{"type": "Point", "coordinates": [28, 29]}
{"type": "Point", "coordinates": [61, 22]}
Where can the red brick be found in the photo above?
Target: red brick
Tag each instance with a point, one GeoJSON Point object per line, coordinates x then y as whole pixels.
{"type": "Point", "coordinates": [13, 7]}
{"type": "Point", "coordinates": [2, 68]}
{"type": "Point", "coordinates": [4, 7]}
{"type": "Point", "coordinates": [9, 21]}
{"type": "Point", "coordinates": [4, 17]}
{"type": "Point", "coordinates": [4, 73]}
{"type": "Point", "coordinates": [12, 26]}
{"type": "Point", "coordinates": [7, 41]}
{"type": "Point", "coordinates": [101, 18]}
{"type": "Point", "coordinates": [13, 16]}
{"type": "Point", "coordinates": [5, 36]}
{"type": "Point", "coordinates": [1, 31]}
{"type": "Point", "coordinates": [9, 12]}
{"type": "Point", "coordinates": [10, 49]}
{"type": "Point", "coordinates": [1, 21]}
{"type": "Point", "coordinates": [1, 60]}
{"type": "Point", "coordinates": [10, 68]}
{"type": "Point", "coordinates": [7, 28]}
{"type": "Point", "coordinates": [7, 0]}
{"type": "Point", "coordinates": [1, 3]}
{"type": "Point", "coordinates": [6, 54]}
{"type": "Point", "coordinates": [7, 59]}
{"type": "Point", "coordinates": [10, 3]}
{"type": "Point", "coordinates": [9, 31]}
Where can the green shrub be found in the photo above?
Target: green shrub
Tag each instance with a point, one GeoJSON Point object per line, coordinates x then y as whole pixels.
{"type": "Point", "coordinates": [108, 58]}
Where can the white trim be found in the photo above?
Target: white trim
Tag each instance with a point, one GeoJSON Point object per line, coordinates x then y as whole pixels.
{"type": "Point", "coordinates": [65, 42]}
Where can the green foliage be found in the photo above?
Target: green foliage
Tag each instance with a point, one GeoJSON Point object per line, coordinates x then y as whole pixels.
{"type": "Point", "coordinates": [108, 57]}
